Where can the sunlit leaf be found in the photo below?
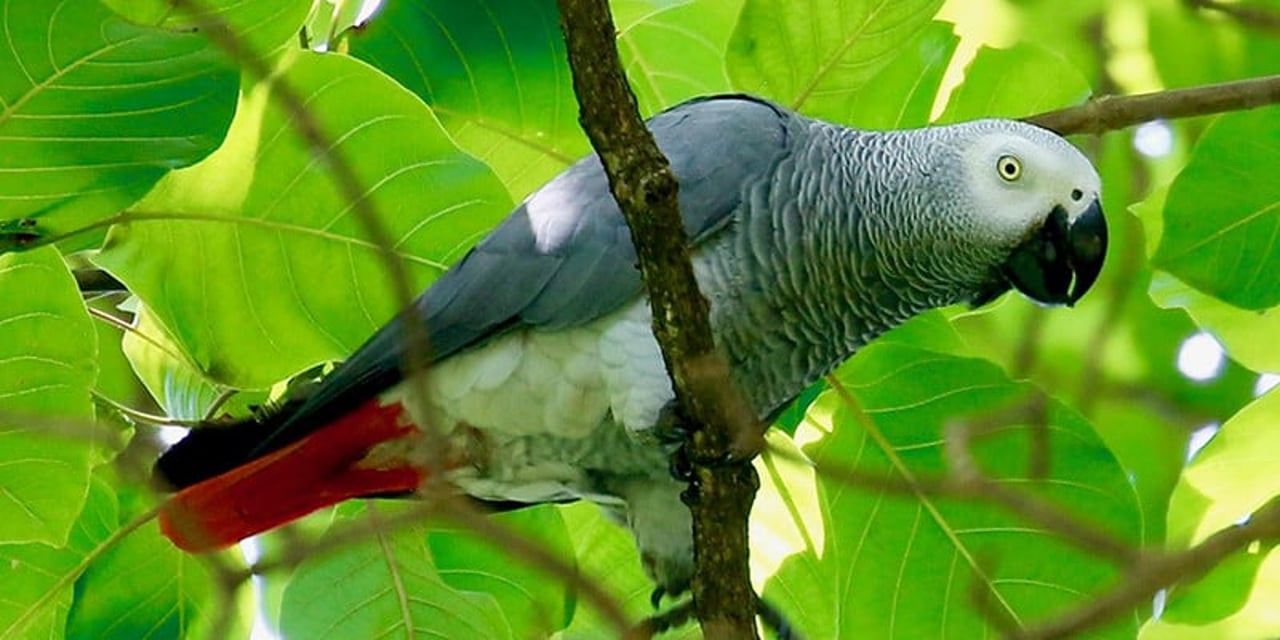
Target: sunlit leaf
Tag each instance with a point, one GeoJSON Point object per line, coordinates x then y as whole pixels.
{"type": "Point", "coordinates": [47, 366]}
{"type": "Point", "coordinates": [815, 55]}
{"type": "Point", "coordinates": [38, 578]}
{"type": "Point", "coordinates": [261, 27]}
{"type": "Point", "coordinates": [259, 237]}
{"type": "Point", "coordinates": [145, 588]}
{"type": "Point", "coordinates": [673, 51]}
{"type": "Point", "coordinates": [531, 599]}
{"type": "Point", "coordinates": [495, 72]}
{"type": "Point", "coordinates": [384, 586]}
{"type": "Point", "coordinates": [1222, 216]}
{"type": "Point", "coordinates": [901, 95]}
{"type": "Point", "coordinates": [908, 566]}
{"type": "Point", "coordinates": [1255, 617]}
{"type": "Point", "coordinates": [94, 110]}
{"type": "Point", "coordinates": [607, 555]}
{"type": "Point", "coordinates": [1230, 477]}
{"type": "Point", "coordinates": [1013, 83]}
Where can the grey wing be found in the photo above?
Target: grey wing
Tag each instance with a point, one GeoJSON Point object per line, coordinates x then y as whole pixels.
{"type": "Point", "coordinates": [564, 257]}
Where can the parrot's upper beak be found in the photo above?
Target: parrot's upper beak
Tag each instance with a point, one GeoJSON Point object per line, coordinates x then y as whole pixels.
{"type": "Point", "coordinates": [1045, 265]}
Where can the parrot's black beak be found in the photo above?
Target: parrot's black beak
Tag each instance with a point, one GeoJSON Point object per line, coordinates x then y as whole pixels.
{"type": "Point", "coordinates": [1058, 263]}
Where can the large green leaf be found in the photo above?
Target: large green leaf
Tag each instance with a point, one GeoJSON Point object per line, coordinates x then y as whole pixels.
{"type": "Point", "coordinates": [901, 95]}
{"type": "Point", "coordinates": [815, 54]}
{"type": "Point", "coordinates": [143, 587]}
{"type": "Point", "coordinates": [1236, 601]}
{"type": "Point", "coordinates": [1240, 331]}
{"type": "Point", "coordinates": [384, 587]}
{"type": "Point", "coordinates": [674, 50]}
{"type": "Point", "coordinates": [534, 602]}
{"type": "Point", "coordinates": [1228, 479]}
{"type": "Point", "coordinates": [38, 578]}
{"type": "Point", "coordinates": [607, 555]}
{"type": "Point", "coordinates": [1222, 216]}
{"type": "Point", "coordinates": [47, 367]}
{"type": "Point", "coordinates": [94, 110]}
{"type": "Point", "coordinates": [261, 27]}
{"type": "Point", "coordinates": [495, 72]}
{"type": "Point", "coordinates": [255, 262]}
{"type": "Point", "coordinates": [1014, 82]}
{"type": "Point", "coordinates": [907, 567]}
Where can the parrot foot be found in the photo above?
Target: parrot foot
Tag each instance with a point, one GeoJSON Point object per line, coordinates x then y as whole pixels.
{"type": "Point", "coordinates": [776, 621]}
{"type": "Point", "coordinates": [770, 616]}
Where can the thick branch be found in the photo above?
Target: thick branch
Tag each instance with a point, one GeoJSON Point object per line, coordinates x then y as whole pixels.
{"type": "Point", "coordinates": [719, 495]}
{"type": "Point", "coordinates": [1108, 113]}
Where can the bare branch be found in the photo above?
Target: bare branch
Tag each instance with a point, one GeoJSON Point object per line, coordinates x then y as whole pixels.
{"type": "Point", "coordinates": [720, 494]}
{"type": "Point", "coordinates": [1108, 113]}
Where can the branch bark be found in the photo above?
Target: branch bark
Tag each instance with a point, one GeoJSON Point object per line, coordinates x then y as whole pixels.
{"type": "Point", "coordinates": [1108, 113]}
{"type": "Point", "coordinates": [723, 482]}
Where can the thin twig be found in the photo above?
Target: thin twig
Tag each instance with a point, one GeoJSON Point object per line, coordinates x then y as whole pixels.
{"type": "Point", "coordinates": [142, 416]}
{"type": "Point", "coordinates": [1108, 113]}
{"type": "Point", "coordinates": [1159, 572]}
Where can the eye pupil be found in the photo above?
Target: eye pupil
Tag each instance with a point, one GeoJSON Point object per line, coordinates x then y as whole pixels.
{"type": "Point", "coordinates": [1009, 167]}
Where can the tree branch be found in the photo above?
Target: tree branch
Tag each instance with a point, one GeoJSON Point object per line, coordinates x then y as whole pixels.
{"type": "Point", "coordinates": [1159, 572]}
{"type": "Point", "coordinates": [720, 493]}
{"type": "Point", "coordinates": [1108, 113]}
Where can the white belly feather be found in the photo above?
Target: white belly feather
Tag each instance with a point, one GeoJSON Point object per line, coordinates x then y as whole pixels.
{"type": "Point", "coordinates": [551, 407]}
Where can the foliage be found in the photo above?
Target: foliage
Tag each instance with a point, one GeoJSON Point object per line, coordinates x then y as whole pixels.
{"type": "Point", "coordinates": [131, 142]}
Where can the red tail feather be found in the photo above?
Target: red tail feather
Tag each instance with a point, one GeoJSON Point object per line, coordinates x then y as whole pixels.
{"type": "Point", "coordinates": [315, 472]}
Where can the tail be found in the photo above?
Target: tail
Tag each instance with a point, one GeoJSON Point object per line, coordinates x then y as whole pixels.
{"type": "Point", "coordinates": [319, 469]}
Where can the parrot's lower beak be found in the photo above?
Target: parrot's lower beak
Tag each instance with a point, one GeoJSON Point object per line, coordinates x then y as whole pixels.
{"type": "Point", "coordinates": [1060, 261]}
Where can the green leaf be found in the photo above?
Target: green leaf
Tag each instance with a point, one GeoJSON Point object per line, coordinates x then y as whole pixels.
{"type": "Point", "coordinates": [39, 578]}
{"type": "Point", "coordinates": [1013, 83]}
{"type": "Point", "coordinates": [259, 238]}
{"type": "Point", "coordinates": [261, 27]}
{"type": "Point", "coordinates": [674, 50]}
{"type": "Point", "coordinates": [533, 601]}
{"type": "Point", "coordinates": [1239, 331]}
{"type": "Point", "coordinates": [93, 111]}
{"type": "Point", "coordinates": [901, 95]}
{"type": "Point", "coordinates": [1253, 576]}
{"type": "Point", "coordinates": [1230, 477]}
{"type": "Point", "coordinates": [496, 73]}
{"type": "Point", "coordinates": [897, 566]}
{"type": "Point", "coordinates": [383, 587]}
{"type": "Point", "coordinates": [607, 554]}
{"type": "Point", "coordinates": [145, 588]}
{"type": "Point", "coordinates": [47, 367]}
{"type": "Point", "coordinates": [1222, 216]}
{"type": "Point", "coordinates": [815, 55]}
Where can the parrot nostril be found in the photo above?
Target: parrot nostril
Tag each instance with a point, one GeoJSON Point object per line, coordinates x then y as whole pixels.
{"type": "Point", "coordinates": [1076, 195]}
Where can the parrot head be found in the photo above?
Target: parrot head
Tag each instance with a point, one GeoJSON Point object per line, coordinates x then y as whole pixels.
{"type": "Point", "coordinates": [1039, 198]}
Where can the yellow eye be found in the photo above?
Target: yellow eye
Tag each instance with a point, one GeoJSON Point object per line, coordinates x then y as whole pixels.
{"type": "Point", "coordinates": [1009, 167]}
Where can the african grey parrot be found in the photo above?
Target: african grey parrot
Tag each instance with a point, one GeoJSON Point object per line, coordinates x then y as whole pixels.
{"type": "Point", "coordinates": [809, 239]}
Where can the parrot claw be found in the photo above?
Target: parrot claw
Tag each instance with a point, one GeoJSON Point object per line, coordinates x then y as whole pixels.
{"type": "Point", "coordinates": [774, 619]}
{"type": "Point", "coordinates": [681, 467]}
{"type": "Point", "coordinates": [655, 598]}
